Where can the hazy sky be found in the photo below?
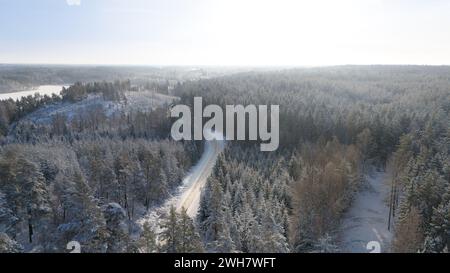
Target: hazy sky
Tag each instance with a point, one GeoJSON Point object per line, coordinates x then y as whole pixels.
{"type": "Point", "coordinates": [225, 32]}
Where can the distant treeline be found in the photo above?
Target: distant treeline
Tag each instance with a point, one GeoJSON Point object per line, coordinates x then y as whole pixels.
{"type": "Point", "coordinates": [21, 77]}
{"type": "Point", "coordinates": [110, 91]}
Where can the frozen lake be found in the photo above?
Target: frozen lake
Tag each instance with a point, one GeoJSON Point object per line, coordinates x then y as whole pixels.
{"type": "Point", "coordinates": [43, 90]}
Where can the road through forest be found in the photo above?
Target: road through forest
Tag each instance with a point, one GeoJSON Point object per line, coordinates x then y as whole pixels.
{"type": "Point", "coordinates": [188, 194]}
{"type": "Point", "coordinates": [367, 218]}
{"type": "Point", "coordinates": [195, 181]}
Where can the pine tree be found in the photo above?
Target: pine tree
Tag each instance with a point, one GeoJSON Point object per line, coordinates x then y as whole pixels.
{"type": "Point", "coordinates": [429, 193]}
{"type": "Point", "coordinates": [118, 236]}
{"type": "Point", "coordinates": [438, 238]}
{"type": "Point", "coordinates": [189, 239]}
{"type": "Point", "coordinates": [408, 232]}
{"type": "Point", "coordinates": [8, 219]}
{"type": "Point", "coordinates": [85, 222]}
{"type": "Point", "coordinates": [170, 167]}
{"type": "Point", "coordinates": [211, 212]}
{"type": "Point", "coordinates": [147, 241]}
{"type": "Point", "coordinates": [273, 239]}
{"type": "Point", "coordinates": [170, 235]}
{"type": "Point", "coordinates": [365, 143]}
{"type": "Point", "coordinates": [248, 230]}
{"type": "Point", "coordinates": [124, 173]}
{"type": "Point", "coordinates": [161, 189]}
{"type": "Point", "coordinates": [33, 195]}
{"type": "Point", "coordinates": [224, 243]}
{"type": "Point", "coordinates": [150, 167]}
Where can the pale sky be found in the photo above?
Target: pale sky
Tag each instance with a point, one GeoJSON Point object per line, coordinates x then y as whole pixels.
{"type": "Point", "coordinates": [225, 32]}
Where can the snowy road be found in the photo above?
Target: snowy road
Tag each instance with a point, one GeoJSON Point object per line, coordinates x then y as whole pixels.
{"type": "Point", "coordinates": [367, 218]}
{"type": "Point", "coordinates": [188, 194]}
{"type": "Point", "coordinates": [196, 180]}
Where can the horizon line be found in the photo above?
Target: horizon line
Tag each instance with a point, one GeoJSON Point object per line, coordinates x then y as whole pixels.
{"type": "Point", "coordinates": [215, 65]}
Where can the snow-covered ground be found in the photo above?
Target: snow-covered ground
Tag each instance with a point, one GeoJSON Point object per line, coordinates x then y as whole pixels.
{"type": "Point", "coordinates": [43, 90]}
{"type": "Point", "coordinates": [367, 218]}
{"type": "Point", "coordinates": [188, 194]}
{"type": "Point", "coordinates": [135, 101]}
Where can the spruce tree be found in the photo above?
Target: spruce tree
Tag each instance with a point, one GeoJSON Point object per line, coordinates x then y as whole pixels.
{"type": "Point", "coordinates": [118, 235]}
{"type": "Point", "coordinates": [147, 241]}
{"type": "Point", "coordinates": [189, 239]}
{"type": "Point", "coordinates": [170, 235]}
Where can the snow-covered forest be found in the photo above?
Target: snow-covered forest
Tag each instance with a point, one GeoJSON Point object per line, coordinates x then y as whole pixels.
{"type": "Point", "coordinates": [73, 170]}
{"type": "Point", "coordinates": [336, 125]}
{"type": "Point", "coordinates": [91, 165]}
